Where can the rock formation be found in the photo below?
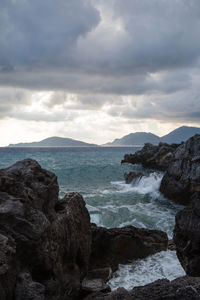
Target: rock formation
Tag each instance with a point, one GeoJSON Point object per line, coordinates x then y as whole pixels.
{"type": "Point", "coordinates": [181, 163]}
{"type": "Point", "coordinates": [182, 178]}
{"type": "Point", "coordinates": [151, 156]}
{"type": "Point", "coordinates": [114, 246]}
{"type": "Point", "coordinates": [47, 244]}
{"type": "Point", "coordinates": [187, 236]}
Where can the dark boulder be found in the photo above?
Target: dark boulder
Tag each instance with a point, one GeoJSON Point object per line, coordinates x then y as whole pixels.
{"type": "Point", "coordinates": [183, 288]}
{"type": "Point", "coordinates": [45, 242]}
{"type": "Point", "coordinates": [182, 178]}
{"type": "Point", "coordinates": [37, 187]}
{"type": "Point", "coordinates": [114, 246]}
{"type": "Point", "coordinates": [151, 156]}
{"type": "Point", "coordinates": [187, 236]}
{"type": "Point", "coordinates": [133, 177]}
{"type": "Point", "coordinates": [96, 281]}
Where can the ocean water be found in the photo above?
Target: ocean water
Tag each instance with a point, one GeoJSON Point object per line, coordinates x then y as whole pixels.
{"type": "Point", "coordinates": [97, 174]}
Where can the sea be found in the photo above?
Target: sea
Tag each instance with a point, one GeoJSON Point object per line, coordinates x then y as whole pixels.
{"type": "Point", "coordinates": [98, 175]}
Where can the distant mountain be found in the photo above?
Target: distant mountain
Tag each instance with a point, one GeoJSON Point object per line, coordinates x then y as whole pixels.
{"type": "Point", "coordinates": [140, 138]}
{"type": "Point", "coordinates": [54, 142]}
{"type": "Point", "coordinates": [133, 139]}
{"type": "Point", "coordinates": [136, 139]}
{"type": "Point", "coordinates": [180, 134]}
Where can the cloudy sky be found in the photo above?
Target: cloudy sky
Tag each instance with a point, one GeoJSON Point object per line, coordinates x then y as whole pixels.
{"type": "Point", "coordinates": [95, 70]}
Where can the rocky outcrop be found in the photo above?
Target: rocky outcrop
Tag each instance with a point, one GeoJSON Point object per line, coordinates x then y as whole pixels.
{"type": "Point", "coordinates": [187, 236]}
{"type": "Point", "coordinates": [114, 246]}
{"type": "Point", "coordinates": [182, 178]}
{"type": "Point", "coordinates": [133, 177]}
{"type": "Point", "coordinates": [183, 288]}
{"type": "Point", "coordinates": [151, 156]}
{"type": "Point", "coordinates": [45, 242]}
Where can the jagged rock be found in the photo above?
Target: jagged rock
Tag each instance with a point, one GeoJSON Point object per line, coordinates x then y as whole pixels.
{"type": "Point", "coordinates": [187, 236]}
{"type": "Point", "coordinates": [151, 156]}
{"type": "Point", "coordinates": [182, 178]}
{"type": "Point", "coordinates": [51, 237]}
{"type": "Point", "coordinates": [114, 246]}
{"type": "Point", "coordinates": [38, 188]}
{"type": "Point", "coordinates": [132, 177]}
{"type": "Point", "coordinates": [183, 288]}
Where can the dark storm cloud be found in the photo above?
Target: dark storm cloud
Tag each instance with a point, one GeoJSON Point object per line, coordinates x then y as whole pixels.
{"type": "Point", "coordinates": [42, 33]}
{"type": "Point", "coordinates": [163, 34]}
{"type": "Point", "coordinates": [102, 50]}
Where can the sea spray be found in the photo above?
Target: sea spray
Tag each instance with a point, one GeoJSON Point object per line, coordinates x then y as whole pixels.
{"type": "Point", "coordinates": [143, 271]}
{"type": "Point", "coordinates": [145, 185]}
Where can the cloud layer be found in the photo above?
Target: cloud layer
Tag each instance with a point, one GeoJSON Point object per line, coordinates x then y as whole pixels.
{"type": "Point", "coordinates": [124, 62]}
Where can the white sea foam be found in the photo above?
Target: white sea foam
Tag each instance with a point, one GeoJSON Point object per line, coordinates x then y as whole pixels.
{"type": "Point", "coordinates": [145, 185]}
{"type": "Point", "coordinates": [164, 264]}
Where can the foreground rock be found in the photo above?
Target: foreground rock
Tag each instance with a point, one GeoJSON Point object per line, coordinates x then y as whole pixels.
{"type": "Point", "coordinates": [151, 156]}
{"type": "Point", "coordinates": [47, 244]}
{"type": "Point", "coordinates": [114, 246]}
{"type": "Point", "coordinates": [183, 288]}
{"type": "Point", "coordinates": [187, 236]}
{"type": "Point", "coordinates": [182, 178]}
{"type": "Point", "coordinates": [44, 243]}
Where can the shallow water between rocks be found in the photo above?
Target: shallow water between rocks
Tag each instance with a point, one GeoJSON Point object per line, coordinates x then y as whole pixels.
{"type": "Point", "coordinates": [97, 174]}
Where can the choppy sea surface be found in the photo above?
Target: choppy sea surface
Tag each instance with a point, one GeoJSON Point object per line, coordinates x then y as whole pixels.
{"type": "Point", "coordinates": [97, 174]}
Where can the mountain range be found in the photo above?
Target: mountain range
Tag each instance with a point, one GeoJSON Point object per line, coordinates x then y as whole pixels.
{"type": "Point", "coordinates": [177, 136]}
{"type": "Point", "coordinates": [133, 139]}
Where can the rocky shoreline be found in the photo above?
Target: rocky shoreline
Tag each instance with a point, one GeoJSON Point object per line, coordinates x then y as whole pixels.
{"type": "Point", "coordinates": [49, 250]}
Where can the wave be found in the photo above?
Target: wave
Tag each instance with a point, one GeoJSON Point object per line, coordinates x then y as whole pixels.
{"type": "Point", "coordinates": [164, 264]}
{"type": "Point", "coordinates": [145, 185]}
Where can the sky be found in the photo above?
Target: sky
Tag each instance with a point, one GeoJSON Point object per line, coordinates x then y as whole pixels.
{"type": "Point", "coordinates": [96, 70]}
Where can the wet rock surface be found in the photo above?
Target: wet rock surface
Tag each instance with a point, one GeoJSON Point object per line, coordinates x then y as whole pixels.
{"type": "Point", "coordinates": [151, 156]}
{"type": "Point", "coordinates": [183, 288]}
{"type": "Point", "coordinates": [133, 177]}
{"type": "Point", "coordinates": [114, 246]}
{"type": "Point", "coordinates": [182, 178]}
